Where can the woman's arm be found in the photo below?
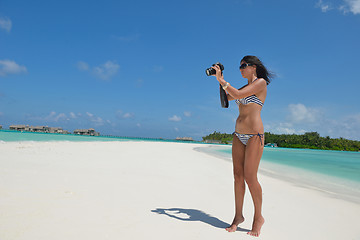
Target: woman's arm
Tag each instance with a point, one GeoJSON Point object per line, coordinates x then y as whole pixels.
{"type": "Point", "coordinates": [255, 87]}
{"type": "Point", "coordinates": [234, 93]}
{"type": "Point", "coordinates": [229, 97]}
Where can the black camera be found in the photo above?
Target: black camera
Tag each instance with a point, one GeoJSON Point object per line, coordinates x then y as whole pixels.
{"type": "Point", "coordinates": [211, 71]}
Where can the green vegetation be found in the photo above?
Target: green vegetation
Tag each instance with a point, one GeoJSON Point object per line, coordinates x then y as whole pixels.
{"type": "Point", "coordinates": [310, 140]}
{"type": "Point", "coordinates": [222, 137]}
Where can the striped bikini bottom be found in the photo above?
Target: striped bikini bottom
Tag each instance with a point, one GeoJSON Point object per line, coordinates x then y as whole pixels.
{"type": "Point", "coordinates": [244, 138]}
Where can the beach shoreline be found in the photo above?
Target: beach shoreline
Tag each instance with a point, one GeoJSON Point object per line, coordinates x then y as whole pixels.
{"type": "Point", "coordinates": [331, 186]}
{"type": "Point", "coordinates": [108, 190]}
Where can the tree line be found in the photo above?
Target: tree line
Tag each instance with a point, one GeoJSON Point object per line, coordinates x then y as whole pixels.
{"type": "Point", "coordinates": [311, 140]}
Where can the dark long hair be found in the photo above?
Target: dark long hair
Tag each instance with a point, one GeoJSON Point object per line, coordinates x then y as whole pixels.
{"type": "Point", "coordinates": [261, 70]}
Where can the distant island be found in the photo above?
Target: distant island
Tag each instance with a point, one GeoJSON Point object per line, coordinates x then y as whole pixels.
{"type": "Point", "coordinates": [309, 140]}
{"type": "Point", "coordinates": [86, 132]}
{"type": "Point", "coordinates": [46, 129]}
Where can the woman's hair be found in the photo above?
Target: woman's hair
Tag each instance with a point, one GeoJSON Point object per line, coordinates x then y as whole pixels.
{"type": "Point", "coordinates": [261, 70]}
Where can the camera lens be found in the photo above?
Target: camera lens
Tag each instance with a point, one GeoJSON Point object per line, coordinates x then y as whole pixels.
{"type": "Point", "coordinates": [210, 71]}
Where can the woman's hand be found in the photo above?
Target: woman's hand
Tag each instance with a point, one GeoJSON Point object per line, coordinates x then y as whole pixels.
{"type": "Point", "coordinates": [218, 75]}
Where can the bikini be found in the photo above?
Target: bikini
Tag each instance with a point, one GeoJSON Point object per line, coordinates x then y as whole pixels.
{"type": "Point", "coordinates": [244, 138]}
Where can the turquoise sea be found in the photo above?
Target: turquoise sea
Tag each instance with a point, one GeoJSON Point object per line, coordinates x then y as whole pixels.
{"type": "Point", "coordinates": [12, 136]}
{"type": "Point", "coordinates": [336, 173]}
{"type": "Point", "coordinates": [333, 163]}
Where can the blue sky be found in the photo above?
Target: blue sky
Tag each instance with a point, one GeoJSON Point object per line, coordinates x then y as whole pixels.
{"type": "Point", "coordinates": [137, 68]}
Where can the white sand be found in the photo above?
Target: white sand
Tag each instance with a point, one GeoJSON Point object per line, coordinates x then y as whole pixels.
{"type": "Point", "coordinates": [117, 190]}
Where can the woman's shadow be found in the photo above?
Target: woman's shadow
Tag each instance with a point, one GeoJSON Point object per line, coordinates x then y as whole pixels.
{"type": "Point", "coordinates": [194, 215]}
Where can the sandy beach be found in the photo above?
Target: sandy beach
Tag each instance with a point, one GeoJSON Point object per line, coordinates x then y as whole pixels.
{"type": "Point", "coordinates": [149, 190]}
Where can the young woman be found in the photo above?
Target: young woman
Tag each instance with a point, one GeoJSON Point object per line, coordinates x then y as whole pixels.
{"type": "Point", "coordinates": [248, 140]}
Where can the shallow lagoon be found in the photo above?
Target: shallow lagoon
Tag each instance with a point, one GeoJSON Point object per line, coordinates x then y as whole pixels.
{"type": "Point", "coordinates": [333, 172]}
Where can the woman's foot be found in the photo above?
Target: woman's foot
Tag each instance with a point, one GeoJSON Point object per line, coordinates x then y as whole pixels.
{"type": "Point", "coordinates": [235, 223]}
{"type": "Point", "coordinates": [256, 227]}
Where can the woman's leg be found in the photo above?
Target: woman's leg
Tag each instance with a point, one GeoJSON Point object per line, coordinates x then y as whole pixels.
{"type": "Point", "coordinates": [253, 153]}
{"type": "Point", "coordinates": [238, 156]}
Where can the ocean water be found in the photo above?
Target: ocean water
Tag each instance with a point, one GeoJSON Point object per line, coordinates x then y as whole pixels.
{"type": "Point", "coordinates": [335, 173]}
{"type": "Point", "coordinates": [339, 164]}
{"type": "Point", "coordinates": [13, 136]}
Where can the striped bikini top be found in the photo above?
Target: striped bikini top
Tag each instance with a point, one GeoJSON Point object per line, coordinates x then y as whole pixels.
{"type": "Point", "coordinates": [249, 99]}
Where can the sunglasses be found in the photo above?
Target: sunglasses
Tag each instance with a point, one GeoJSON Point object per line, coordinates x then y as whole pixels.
{"type": "Point", "coordinates": [244, 65]}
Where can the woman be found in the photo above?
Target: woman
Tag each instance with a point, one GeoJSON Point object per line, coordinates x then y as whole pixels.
{"type": "Point", "coordinates": [248, 140]}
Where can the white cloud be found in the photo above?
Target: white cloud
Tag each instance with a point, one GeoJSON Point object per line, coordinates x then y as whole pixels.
{"type": "Point", "coordinates": [324, 6]}
{"type": "Point", "coordinates": [106, 70]}
{"type": "Point", "coordinates": [121, 115]}
{"type": "Point", "coordinates": [53, 117]}
{"type": "Point", "coordinates": [346, 127]}
{"type": "Point", "coordinates": [6, 24]}
{"type": "Point", "coordinates": [175, 118]}
{"type": "Point", "coordinates": [128, 115]}
{"type": "Point", "coordinates": [87, 118]}
{"type": "Point", "coordinates": [300, 119]}
{"type": "Point", "coordinates": [284, 128]}
{"type": "Point", "coordinates": [98, 121]}
{"type": "Point", "coordinates": [187, 114]}
{"type": "Point", "coordinates": [301, 113]}
{"type": "Point", "coordinates": [73, 115]}
{"type": "Point", "coordinates": [82, 66]}
{"type": "Point", "coordinates": [56, 117]}
{"type": "Point", "coordinates": [10, 67]}
{"type": "Point", "coordinates": [352, 6]}
{"type": "Point", "coordinates": [303, 119]}
{"type": "Point", "coordinates": [61, 116]}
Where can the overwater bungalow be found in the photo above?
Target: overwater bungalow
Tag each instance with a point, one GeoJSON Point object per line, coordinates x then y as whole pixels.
{"type": "Point", "coordinates": [19, 127]}
{"type": "Point", "coordinates": [89, 132]}
{"type": "Point", "coordinates": [58, 130]}
{"type": "Point", "coordinates": [43, 129]}
{"type": "Point", "coordinates": [39, 129]}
